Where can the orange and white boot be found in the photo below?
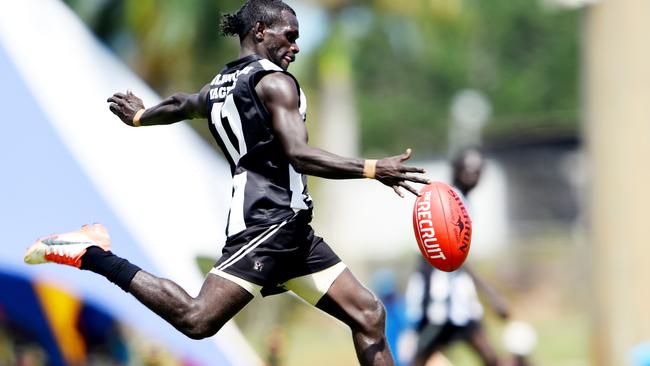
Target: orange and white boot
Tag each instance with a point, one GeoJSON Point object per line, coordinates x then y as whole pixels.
{"type": "Point", "coordinates": [68, 248]}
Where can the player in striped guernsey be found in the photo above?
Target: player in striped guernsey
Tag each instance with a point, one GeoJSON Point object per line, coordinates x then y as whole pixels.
{"type": "Point", "coordinates": [256, 112]}
{"type": "Point", "coordinates": [266, 187]}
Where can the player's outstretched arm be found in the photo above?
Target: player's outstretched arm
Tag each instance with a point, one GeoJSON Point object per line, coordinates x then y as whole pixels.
{"type": "Point", "coordinates": [180, 106]}
{"type": "Point", "coordinates": [493, 298]}
{"type": "Point", "coordinates": [279, 93]}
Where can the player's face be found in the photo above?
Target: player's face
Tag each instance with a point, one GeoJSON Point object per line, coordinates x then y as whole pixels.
{"type": "Point", "coordinates": [470, 172]}
{"type": "Point", "coordinates": [280, 40]}
{"type": "Point", "coordinates": [469, 178]}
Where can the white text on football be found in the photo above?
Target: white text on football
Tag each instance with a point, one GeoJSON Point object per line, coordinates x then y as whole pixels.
{"type": "Point", "coordinates": [427, 231]}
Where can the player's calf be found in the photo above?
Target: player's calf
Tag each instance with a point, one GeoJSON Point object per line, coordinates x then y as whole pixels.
{"type": "Point", "coordinates": [370, 337]}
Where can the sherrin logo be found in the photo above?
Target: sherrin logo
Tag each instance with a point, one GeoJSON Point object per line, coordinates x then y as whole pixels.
{"type": "Point", "coordinates": [425, 227]}
{"type": "Point", "coordinates": [465, 236]}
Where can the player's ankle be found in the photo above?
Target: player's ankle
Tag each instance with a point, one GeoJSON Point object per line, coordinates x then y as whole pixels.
{"type": "Point", "coordinates": [116, 269]}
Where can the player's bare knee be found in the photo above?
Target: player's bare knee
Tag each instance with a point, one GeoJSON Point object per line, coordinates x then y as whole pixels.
{"type": "Point", "coordinates": [373, 318]}
{"type": "Point", "coordinates": [196, 324]}
{"type": "Point", "coordinates": [200, 329]}
{"type": "Point", "coordinates": [199, 332]}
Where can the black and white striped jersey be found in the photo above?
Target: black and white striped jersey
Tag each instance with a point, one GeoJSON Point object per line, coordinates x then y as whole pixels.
{"type": "Point", "coordinates": [266, 188]}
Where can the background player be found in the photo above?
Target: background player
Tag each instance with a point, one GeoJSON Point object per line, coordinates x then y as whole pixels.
{"type": "Point", "coordinates": [256, 112]}
{"type": "Point", "coordinates": [444, 306]}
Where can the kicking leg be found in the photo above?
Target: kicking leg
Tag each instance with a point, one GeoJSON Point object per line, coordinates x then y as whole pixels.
{"type": "Point", "coordinates": [89, 249]}
{"type": "Point", "coordinates": [349, 301]}
{"type": "Point", "coordinates": [218, 301]}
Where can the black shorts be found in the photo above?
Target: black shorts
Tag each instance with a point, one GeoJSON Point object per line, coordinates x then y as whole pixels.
{"type": "Point", "coordinates": [433, 337]}
{"type": "Point", "coordinates": [269, 256]}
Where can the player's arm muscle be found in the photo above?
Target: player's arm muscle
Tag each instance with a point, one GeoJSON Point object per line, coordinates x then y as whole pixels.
{"type": "Point", "coordinates": [177, 107]}
{"type": "Point", "coordinates": [494, 299]}
{"type": "Point", "coordinates": [280, 96]}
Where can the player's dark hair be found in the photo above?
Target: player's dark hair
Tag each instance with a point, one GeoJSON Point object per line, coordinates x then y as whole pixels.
{"type": "Point", "coordinates": [242, 21]}
{"type": "Point", "coordinates": [458, 161]}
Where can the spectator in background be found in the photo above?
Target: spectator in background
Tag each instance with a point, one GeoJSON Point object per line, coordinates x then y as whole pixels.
{"type": "Point", "coordinates": [444, 307]}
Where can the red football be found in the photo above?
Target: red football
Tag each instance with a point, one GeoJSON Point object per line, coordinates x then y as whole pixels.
{"type": "Point", "coordinates": [442, 226]}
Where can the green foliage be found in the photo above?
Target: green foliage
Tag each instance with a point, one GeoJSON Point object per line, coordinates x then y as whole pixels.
{"type": "Point", "coordinates": [408, 67]}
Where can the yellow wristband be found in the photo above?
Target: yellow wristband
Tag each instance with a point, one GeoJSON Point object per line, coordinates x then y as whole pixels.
{"type": "Point", "coordinates": [136, 118]}
{"type": "Point", "coordinates": [369, 168]}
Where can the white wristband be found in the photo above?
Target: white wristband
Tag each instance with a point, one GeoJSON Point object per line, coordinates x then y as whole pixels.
{"type": "Point", "coordinates": [136, 118]}
{"type": "Point", "coordinates": [369, 168]}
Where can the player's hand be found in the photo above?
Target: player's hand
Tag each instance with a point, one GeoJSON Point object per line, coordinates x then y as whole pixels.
{"type": "Point", "coordinates": [125, 106]}
{"type": "Point", "coordinates": [501, 309]}
{"type": "Point", "coordinates": [392, 173]}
